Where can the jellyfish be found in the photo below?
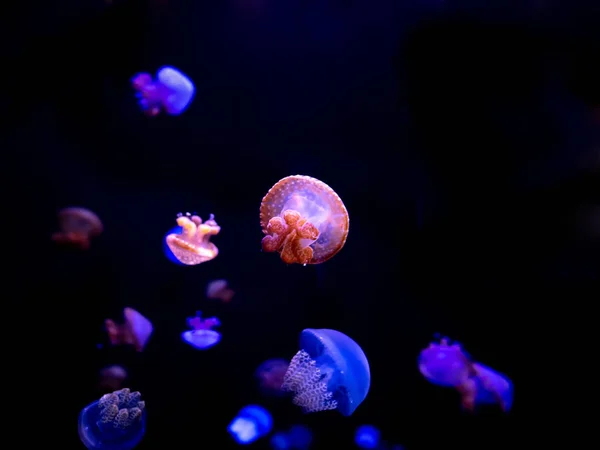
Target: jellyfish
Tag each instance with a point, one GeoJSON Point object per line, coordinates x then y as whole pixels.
{"type": "Point", "coordinates": [77, 227]}
{"type": "Point", "coordinates": [447, 364]}
{"type": "Point", "coordinates": [219, 290]}
{"type": "Point", "coordinates": [251, 423]}
{"type": "Point", "coordinates": [304, 220]}
{"type": "Point", "coordinates": [192, 244]}
{"type": "Point", "coordinates": [171, 91]}
{"type": "Point", "coordinates": [270, 376]}
{"type": "Point", "coordinates": [330, 372]}
{"type": "Point", "coordinates": [135, 331]}
{"type": "Point", "coordinates": [202, 336]}
{"type": "Point", "coordinates": [298, 437]}
{"type": "Point", "coordinates": [166, 250]}
{"type": "Point", "coordinates": [115, 422]}
{"type": "Point", "coordinates": [112, 378]}
{"type": "Point", "coordinates": [367, 437]}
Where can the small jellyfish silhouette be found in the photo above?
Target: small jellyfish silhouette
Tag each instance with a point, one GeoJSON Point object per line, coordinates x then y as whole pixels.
{"type": "Point", "coordinates": [447, 364]}
{"type": "Point", "coordinates": [77, 227]}
{"type": "Point", "coordinates": [112, 378]}
{"type": "Point", "coordinates": [192, 245]}
{"type": "Point", "coordinates": [219, 290]}
{"type": "Point", "coordinates": [367, 437]}
{"type": "Point", "coordinates": [299, 437]}
{"type": "Point", "coordinates": [270, 376]}
{"type": "Point", "coordinates": [330, 372]}
{"type": "Point", "coordinates": [202, 336]}
{"type": "Point", "coordinates": [171, 91]}
{"type": "Point", "coordinates": [251, 423]}
{"type": "Point", "coordinates": [135, 331]}
{"type": "Point", "coordinates": [115, 422]}
{"type": "Point", "coordinates": [304, 220]}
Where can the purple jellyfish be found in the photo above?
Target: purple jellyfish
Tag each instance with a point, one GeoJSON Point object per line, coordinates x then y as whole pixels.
{"type": "Point", "coordinates": [202, 336]}
{"type": "Point", "coordinates": [171, 91]}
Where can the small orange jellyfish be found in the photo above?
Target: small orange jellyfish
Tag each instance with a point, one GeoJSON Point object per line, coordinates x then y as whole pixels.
{"type": "Point", "coordinates": [219, 290]}
{"type": "Point", "coordinates": [135, 331]}
{"type": "Point", "coordinates": [192, 246]}
{"type": "Point", "coordinates": [78, 226]}
{"type": "Point", "coordinates": [304, 220]}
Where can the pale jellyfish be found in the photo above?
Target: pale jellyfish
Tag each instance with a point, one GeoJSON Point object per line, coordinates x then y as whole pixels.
{"type": "Point", "coordinates": [448, 365]}
{"type": "Point", "coordinates": [77, 227]}
{"type": "Point", "coordinates": [135, 331]}
{"type": "Point", "coordinates": [171, 91]}
{"type": "Point", "coordinates": [270, 376]}
{"type": "Point", "coordinates": [191, 244]}
{"type": "Point", "coordinates": [112, 378]}
{"type": "Point", "coordinates": [202, 336]}
{"type": "Point", "coordinates": [219, 290]}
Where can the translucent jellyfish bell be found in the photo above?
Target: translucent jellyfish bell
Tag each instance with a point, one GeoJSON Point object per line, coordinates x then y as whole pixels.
{"type": "Point", "coordinates": [251, 423]}
{"type": "Point", "coordinates": [304, 220]}
{"type": "Point", "coordinates": [112, 378]}
{"type": "Point", "coordinates": [171, 91]}
{"type": "Point", "coordinates": [487, 387]}
{"type": "Point", "coordinates": [192, 246]}
{"type": "Point", "coordinates": [77, 227]}
{"type": "Point", "coordinates": [167, 251]}
{"type": "Point", "coordinates": [135, 331]}
{"type": "Point", "coordinates": [367, 437]}
{"type": "Point", "coordinates": [444, 364]}
{"type": "Point", "coordinates": [115, 422]}
{"type": "Point", "coordinates": [202, 336]}
{"type": "Point", "coordinates": [270, 376]}
{"type": "Point", "coordinates": [219, 290]}
{"type": "Point", "coordinates": [330, 372]}
{"type": "Point", "coordinates": [298, 437]}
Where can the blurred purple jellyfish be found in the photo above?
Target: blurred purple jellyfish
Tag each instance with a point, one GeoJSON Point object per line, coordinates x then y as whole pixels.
{"type": "Point", "coordinates": [219, 290]}
{"type": "Point", "coordinates": [270, 376]}
{"type": "Point", "coordinates": [111, 378]}
{"type": "Point", "coordinates": [77, 227]}
{"type": "Point", "coordinates": [448, 365]}
{"type": "Point", "coordinates": [135, 331]}
{"type": "Point", "coordinates": [202, 336]}
{"type": "Point", "coordinates": [171, 91]}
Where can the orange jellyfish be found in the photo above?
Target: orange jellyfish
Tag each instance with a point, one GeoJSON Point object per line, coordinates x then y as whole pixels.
{"type": "Point", "coordinates": [192, 246]}
{"type": "Point", "coordinates": [78, 226]}
{"type": "Point", "coordinates": [135, 331]}
{"type": "Point", "coordinates": [219, 290]}
{"type": "Point", "coordinates": [304, 220]}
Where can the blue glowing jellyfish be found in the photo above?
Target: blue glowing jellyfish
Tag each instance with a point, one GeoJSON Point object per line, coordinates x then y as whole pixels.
{"type": "Point", "coordinates": [330, 372]}
{"type": "Point", "coordinates": [171, 91]}
{"type": "Point", "coordinates": [367, 436]}
{"type": "Point", "coordinates": [251, 423]}
{"type": "Point", "coordinates": [298, 437]}
{"type": "Point", "coordinates": [115, 422]}
{"type": "Point", "coordinates": [280, 441]}
{"type": "Point", "coordinates": [202, 336]}
{"type": "Point", "coordinates": [167, 251]}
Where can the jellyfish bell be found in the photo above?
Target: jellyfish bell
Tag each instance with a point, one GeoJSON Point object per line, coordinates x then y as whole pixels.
{"type": "Point", "coordinates": [171, 91]}
{"type": "Point", "coordinates": [219, 290]}
{"type": "Point", "coordinates": [192, 245]}
{"type": "Point", "coordinates": [135, 331]}
{"type": "Point", "coordinates": [270, 376]}
{"type": "Point", "coordinates": [330, 372]}
{"type": "Point", "coordinates": [77, 227]}
{"type": "Point", "coordinates": [202, 336]}
{"type": "Point", "coordinates": [444, 364]}
{"type": "Point", "coordinates": [115, 422]}
{"type": "Point", "coordinates": [251, 423]}
{"type": "Point", "coordinates": [112, 378]}
{"type": "Point", "coordinates": [304, 220]}
{"type": "Point", "coordinates": [167, 251]}
{"type": "Point", "coordinates": [367, 437]}
{"type": "Point", "coordinates": [300, 437]}
{"type": "Point", "coordinates": [487, 387]}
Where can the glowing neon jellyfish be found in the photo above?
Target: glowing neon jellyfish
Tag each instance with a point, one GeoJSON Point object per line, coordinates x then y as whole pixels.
{"type": "Point", "coordinates": [304, 220]}
{"type": "Point", "coordinates": [171, 91]}
{"type": "Point", "coordinates": [192, 246]}
{"type": "Point", "coordinates": [270, 376]}
{"type": "Point", "coordinates": [77, 227]}
{"type": "Point", "coordinates": [446, 364]}
{"type": "Point", "coordinates": [298, 437]}
{"type": "Point", "coordinates": [367, 437]}
{"type": "Point", "coordinates": [115, 422]}
{"type": "Point", "coordinates": [202, 336]}
{"type": "Point", "coordinates": [219, 290]}
{"type": "Point", "coordinates": [251, 423]}
{"type": "Point", "coordinates": [330, 372]}
{"type": "Point", "coordinates": [135, 331]}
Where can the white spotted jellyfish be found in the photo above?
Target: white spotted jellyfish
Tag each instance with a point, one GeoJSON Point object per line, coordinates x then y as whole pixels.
{"type": "Point", "coordinates": [304, 220]}
{"type": "Point", "coordinates": [115, 422]}
{"type": "Point", "coordinates": [447, 364]}
{"type": "Point", "coordinates": [189, 242]}
{"type": "Point", "coordinates": [330, 372]}
{"type": "Point", "coordinates": [171, 91]}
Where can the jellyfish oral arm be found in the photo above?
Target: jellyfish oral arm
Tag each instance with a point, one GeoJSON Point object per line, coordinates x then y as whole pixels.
{"type": "Point", "coordinates": [291, 235]}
